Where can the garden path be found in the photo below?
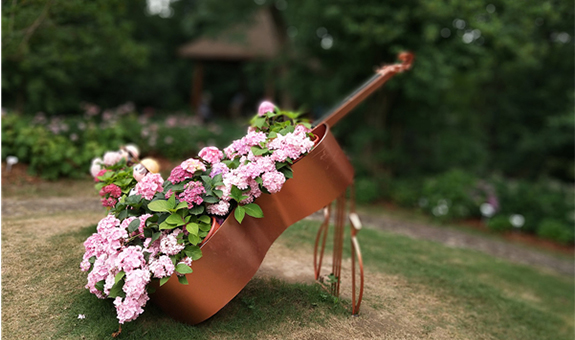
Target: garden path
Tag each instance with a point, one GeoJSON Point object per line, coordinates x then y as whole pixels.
{"type": "Point", "coordinates": [14, 206]}
{"type": "Point", "coordinates": [464, 239]}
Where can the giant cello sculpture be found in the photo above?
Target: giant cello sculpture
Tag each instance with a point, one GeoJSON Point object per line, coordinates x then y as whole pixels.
{"type": "Point", "coordinates": [233, 254]}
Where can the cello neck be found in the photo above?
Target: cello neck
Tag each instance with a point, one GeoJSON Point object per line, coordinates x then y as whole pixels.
{"type": "Point", "coordinates": [381, 76]}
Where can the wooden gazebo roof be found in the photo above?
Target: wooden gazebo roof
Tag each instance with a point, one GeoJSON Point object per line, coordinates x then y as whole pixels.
{"type": "Point", "coordinates": [255, 40]}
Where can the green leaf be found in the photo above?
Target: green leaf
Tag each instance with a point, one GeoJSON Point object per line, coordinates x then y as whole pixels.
{"type": "Point", "coordinates": [193, 228]}
{"type": "Point", "coordinates": [165, 226]}
{"type": "Point", "coordinates": [122, 215]}
{"type": "Point", "coordinates": [160, 206]}
{"type": "Point", "coordinates": [119, 276]}
{"type": "Point", "coordinates": [134, 199]}
{"type": "Point", "coordinates": [100, 285]}
{"type": "Point", "coordinates": [240, 213]}
{"type": "Point", "coordinates": [287, 171]}
{"type": "Point", "coordinates": [183, 280]}
{"type": "Point", "coordinates": [236, 193]}
{"type": "Point", "coordinates": [183, 268]}
{"type": "Point", "coordinates": [207, 179]}
{"type": "Point", "coordinates": [257, 151]}
{"type": "Point", "coordinates": [182, 205]}
{"type": "Point", "coordinates": [156, 236]}
{"type": "Point", "coordinates": [254, 210]}
{"type": "Point", "coordinates": [205, 227]}
{"type": "Point", "coordinates": [211, 199]}
{"type": "Point", "coordinates": [193, 239]}
{"type": "Point", "coordinates": [198, 209]}
{"type": "Point", "coordinates": [259, 123]}
{"type": "Point", "coordinates": [133, 226]}
{"type": "Point", "coordinates": [218, 180]}
{"type": "Point", "coordinates": [117, 290]}
{"type": "Point", "coordinates": [220, 193]}
{"type": "Point", "coordinates": [175, 219]}
{"type": "Point", "coordinates": [164, 280]}
{"type": "Point", "coordinates": [272, 134]}
{"type": "Point", "coordinates": [172, 201]}
{"type": "Point", "coordinates": [194, 252]}
{"type": "Point", "coordinates": [206, 219]}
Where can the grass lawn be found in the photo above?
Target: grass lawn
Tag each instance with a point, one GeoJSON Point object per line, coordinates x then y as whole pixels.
{"type": "Point", "coordinates": [414, 289]}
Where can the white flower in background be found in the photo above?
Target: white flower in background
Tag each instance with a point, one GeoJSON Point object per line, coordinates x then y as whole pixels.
{"type": "Point", "coordinates": [517, 220]}
{"type": "Point", "coordinates": [10, 161]}
{"type": "Point", "coordinates": [96, 166]}
{"type": "Point", "coordinates": [487, 210]}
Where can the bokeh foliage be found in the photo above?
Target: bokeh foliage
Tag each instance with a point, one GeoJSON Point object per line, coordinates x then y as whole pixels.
{"type": "Point", "coordinates": [490, 95]}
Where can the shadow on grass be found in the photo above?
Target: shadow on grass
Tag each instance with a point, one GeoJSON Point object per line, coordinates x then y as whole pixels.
{"type": "Point", "coordinates": [264, 305]}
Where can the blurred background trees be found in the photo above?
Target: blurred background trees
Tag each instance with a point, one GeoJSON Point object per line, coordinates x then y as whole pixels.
{"type": "Point", "coordinates": [490, 95]}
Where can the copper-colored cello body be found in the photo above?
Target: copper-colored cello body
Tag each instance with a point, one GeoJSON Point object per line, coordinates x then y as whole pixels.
{"type": "Point", "coordinates": [234, 253]}
{"type": "Point", "coordinates": [232, 256]}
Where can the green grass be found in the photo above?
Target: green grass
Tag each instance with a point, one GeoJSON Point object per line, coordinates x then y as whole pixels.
{"type": "Point", "coordinates": [506, 300]}
{"type": "Point", "coordinates": [482, 295]}
{"type": "Point", "coordinates": [260, 307]}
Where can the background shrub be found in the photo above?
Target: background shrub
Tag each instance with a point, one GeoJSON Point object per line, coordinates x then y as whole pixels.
{"type": "Point", "coordinates": [556, 230]}
{"type": "Point", "coordinates": [64, 147]}
{"type": "Point", "coordinates": [499, 224]}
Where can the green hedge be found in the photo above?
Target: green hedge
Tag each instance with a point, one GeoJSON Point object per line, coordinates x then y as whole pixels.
{"type": "Point", "coordinates": [546, 206]}
{"type": "Point", "coordinates": [63, 147]}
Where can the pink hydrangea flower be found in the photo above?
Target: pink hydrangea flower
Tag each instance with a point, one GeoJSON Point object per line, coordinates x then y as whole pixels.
{"type": "Point", "coordinates": [273, 181]}
{"type": "Point", "coordinates": [112, 190]}
{"type": "Point", "coordinates": [169, 244]}
{"type": "Point", "coordinates": [136, 281]}
{"type": "Point", "coordinates": [192, 165]}
{"type": "Point", "coordinates": [192, 193]}
{"type": "Point", "coordinates": [128, 309]}
{"type": "Point", "coordinates": [211, 154]}
{"type": "Point", "coordinates": [149, 185]}
{"type": "Point", "coordinates": [130, 258]}
{"type": "Point", "coordinates": [187, 261]}
{"type": "Point", "coordinates": [162, 267]}
{"type": "Point", "coordinates": [221, 208]}
{"type": "Point", "coordinates": [112, 157]}
{"type": "Point", "coordinates": [265, 107]}
{"type": "Point", "coordinates": [292, 145]}
{"type": "Point", "coordinates": [98, 273]}
{"type": "Point", "coordinates": [219, 168]}
{"type": "Point", "coordinates": [108, 222]}
{"type": "Point", "coordinates": [178, 175]}
{"type": "Point", "coordinates": [109, 202]}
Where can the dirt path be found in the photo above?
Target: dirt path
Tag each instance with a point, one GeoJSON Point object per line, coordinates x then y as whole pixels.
{"type": "Point", "coordinates": [22, 206]}
{"type": "Point", "coordinates": [463, 239]}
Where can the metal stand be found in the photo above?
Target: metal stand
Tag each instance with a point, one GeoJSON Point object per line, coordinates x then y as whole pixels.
{"type": "Point", "coordinates": [338, 236]}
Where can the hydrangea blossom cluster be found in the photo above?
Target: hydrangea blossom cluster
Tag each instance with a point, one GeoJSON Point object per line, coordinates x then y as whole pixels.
{"type": "Point", "coordinates": [111, 193]}
{"type": "Point", "coordinates": [113, 174]}
{"type": "Point", "coordinates": [150, 185]}
{"type": "Point", "coordinates": [108, 254]}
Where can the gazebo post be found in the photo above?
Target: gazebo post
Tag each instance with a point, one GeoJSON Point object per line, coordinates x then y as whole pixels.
{"type": "Point", "coordinates": [197, 86]}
